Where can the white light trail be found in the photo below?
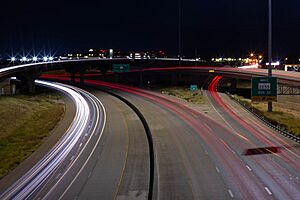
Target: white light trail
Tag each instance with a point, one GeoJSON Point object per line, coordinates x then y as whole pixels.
{"type": "Point", "coordinates": [44, 168]}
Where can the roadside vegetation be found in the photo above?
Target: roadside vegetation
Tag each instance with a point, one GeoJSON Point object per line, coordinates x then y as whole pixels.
{"type": "Point", "coordinates": [25, 121]}
{"type": "Point", "coordinates": [185, 94]}
{"type": "Point", "coordinates": [288, 118]}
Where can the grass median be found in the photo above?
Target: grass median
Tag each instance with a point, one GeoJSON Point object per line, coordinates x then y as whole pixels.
{"type": "Point", "coordinates": [25, 121]}
{"type": "Point", "coordinates": [185, 93]}
{"type": "Point", "coordinates": [284, 116]}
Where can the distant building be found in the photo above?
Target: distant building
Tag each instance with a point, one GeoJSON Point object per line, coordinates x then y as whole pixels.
{"type": "Point", "coordinates": [112, 53]}
{"type": "Point", "coordinates": [292, 67]}
{"type": "Point", "coordinates": [91, 53]}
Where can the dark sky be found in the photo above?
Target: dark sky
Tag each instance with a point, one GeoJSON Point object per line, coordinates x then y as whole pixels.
{"type": "Point", "coordinates": [214, 27]}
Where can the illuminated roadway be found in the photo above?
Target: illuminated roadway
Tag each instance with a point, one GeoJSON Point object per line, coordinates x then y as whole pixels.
{"type": "Point", "coordinates": [287, 76]}
{"type": "Point", "coordinates": [89, 119]}
{"type": "Point", "coordinates": [274, 173]}
{"type": "Point", "coordinates": [246, 177]}
{"type": "Point", "coordinates": [204, 157]}
{"type": "Point", "coordinates": [197, 156]}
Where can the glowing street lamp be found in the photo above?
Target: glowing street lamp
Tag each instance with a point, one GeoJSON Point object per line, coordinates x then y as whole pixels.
{"type": "Point", "coordinates": [24, 59]}
{"type": "Point", "coordinates": [270, 106]}
{"type": "Point", "coordinates": [13, 59]}
{"type": "Point", "coordinates": [45, 58]}
{"type": "Point", "coordinates": [34, 59]}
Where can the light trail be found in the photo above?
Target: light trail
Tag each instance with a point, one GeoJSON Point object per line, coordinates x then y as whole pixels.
{"type": "Point", "coordinates": [35, 177]}
{"type": "Point", "coordinates": [242, 182]}
{"type": "Point", "coordinates": [278, 175]}
{"type": "Point", "coordinates": [219, 141]}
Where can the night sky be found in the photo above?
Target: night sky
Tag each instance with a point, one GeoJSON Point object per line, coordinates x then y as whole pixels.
{"type": "Point", "coordinates": [214, 27]}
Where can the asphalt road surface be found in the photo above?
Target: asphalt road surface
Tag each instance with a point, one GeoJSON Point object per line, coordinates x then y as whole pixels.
{"type": "Point", "coordinates": [119, 165]}
{"type": "Point", "coordinates": [183, 137]}
{"type": "Point", "coordinates": [196, 156]}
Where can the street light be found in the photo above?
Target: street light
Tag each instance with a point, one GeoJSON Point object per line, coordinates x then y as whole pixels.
{"type": "Point", "coordinates": [179, 30]}
{"type": "Point", "coordinates": [24, 59]}
{"type": "Point", "coordinates": [270, 50]}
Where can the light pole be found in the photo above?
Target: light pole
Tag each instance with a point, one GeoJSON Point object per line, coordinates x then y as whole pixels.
{"type": "Point", "coordinates": [270, 50]}
{"type": "Point", "coordinates": [179, 31]}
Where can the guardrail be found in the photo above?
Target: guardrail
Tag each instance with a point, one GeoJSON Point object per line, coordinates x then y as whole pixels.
{"type": "Point", "coordinates": [265, 121]}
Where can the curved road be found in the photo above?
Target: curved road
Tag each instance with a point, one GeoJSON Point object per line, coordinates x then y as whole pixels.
{"type": "Point", "coordinates": [199, 157]}
{"type": "Point", "coordinates": [85, 122]}
{"type": "Point", "coordinates": [278, 173]}
{"type": "Point", "coordinates": [196, 156]}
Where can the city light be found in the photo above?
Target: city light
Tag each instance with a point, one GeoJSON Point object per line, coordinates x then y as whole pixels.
{"type": "Point", "coordinates": [45, 58]}
{"type": "Point", "coordinates": [34, 59]}
{"type": "Point", "coordinates": [13, 59]}
{"type": "Point", "coordinates": [51, 58]}
{"type": "Point", "coordinates": [274, 63]}
{"type": "Point", "coordinates": [24, 59]}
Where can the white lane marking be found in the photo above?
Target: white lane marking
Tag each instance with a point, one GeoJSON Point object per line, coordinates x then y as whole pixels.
{"type": "Point", "coordinates": [90, 174]}
{"type": "Point", "coordinates": [234, 131]}
{"type": "Point", "coordinates": [230, 193]}
{"type": "Point", "coordinates": [217, 169]}
{"type": "Point", "coordinates": [88, 95]}
{"type": "Point", "coordinates": [248, 168]}
{"type": "Point", "coordinates": [58, 175]}
{"type": "Point", "coordinates": [92, 152]}
{"type": "Point", "coordinates": [268, 191]}
{"type": "Point", "coordinates": [38, 174]}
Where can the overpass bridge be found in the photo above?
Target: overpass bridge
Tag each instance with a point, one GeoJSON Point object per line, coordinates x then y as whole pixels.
{"type": "Point", "coordinates": [27, 73]}
{"type": "Point", "coordinates": [142, 70]}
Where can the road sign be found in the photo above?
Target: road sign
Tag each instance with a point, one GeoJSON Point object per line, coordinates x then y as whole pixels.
{"type": "Point", "coordinates": [264, 89]}
{"type": "Point", "coordinates": [120, 67]}
{"type": "Point", "coordinates": [193, 87]}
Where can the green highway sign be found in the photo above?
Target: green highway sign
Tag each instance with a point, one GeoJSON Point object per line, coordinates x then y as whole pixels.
{"type": "Point", "coordinates": [120, 67]}
{"type": "Point", "coordinates": [193, 87]}
{"type": "Point", "coordinates": [264, 89]}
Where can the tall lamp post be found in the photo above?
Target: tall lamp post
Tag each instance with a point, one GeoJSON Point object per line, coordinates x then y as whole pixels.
{"type": "Point", "coordinates": [270, 50]}
{"type": "Point", "coordinates": [179, 31]}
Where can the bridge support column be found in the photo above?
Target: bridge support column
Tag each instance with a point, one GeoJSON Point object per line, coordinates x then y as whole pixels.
{"type": "Point", "coordinates": [72, 75]}
{"type": "Point", "coordinates": [81, 77]}
{"type": "Point", "coordinates": [28, 81]}
{"type": "Point", "coordinates": [31, 85]}
{"type": "Point", "coordinates": [141, 79]}
{"type": "Point", "coordinates": [72, 70]}
{"type": "Point", "coordinates": [233, 86]}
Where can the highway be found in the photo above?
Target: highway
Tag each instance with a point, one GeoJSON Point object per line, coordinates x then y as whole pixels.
{"type": "Point", "coordinates": [82, 63]}
{"type": "Point", "coordinates": [87, 120]}
{"type": "Point", "coordinates": [183, 168]}
{"type": "Point", "coordinates": [196, 154]}
{"type": "Point", "coordinates": [118, 163]}
{"type": "Point", "coordinates": [277, 173]}
{"type": "Point", "coordinates": [105, 154]}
